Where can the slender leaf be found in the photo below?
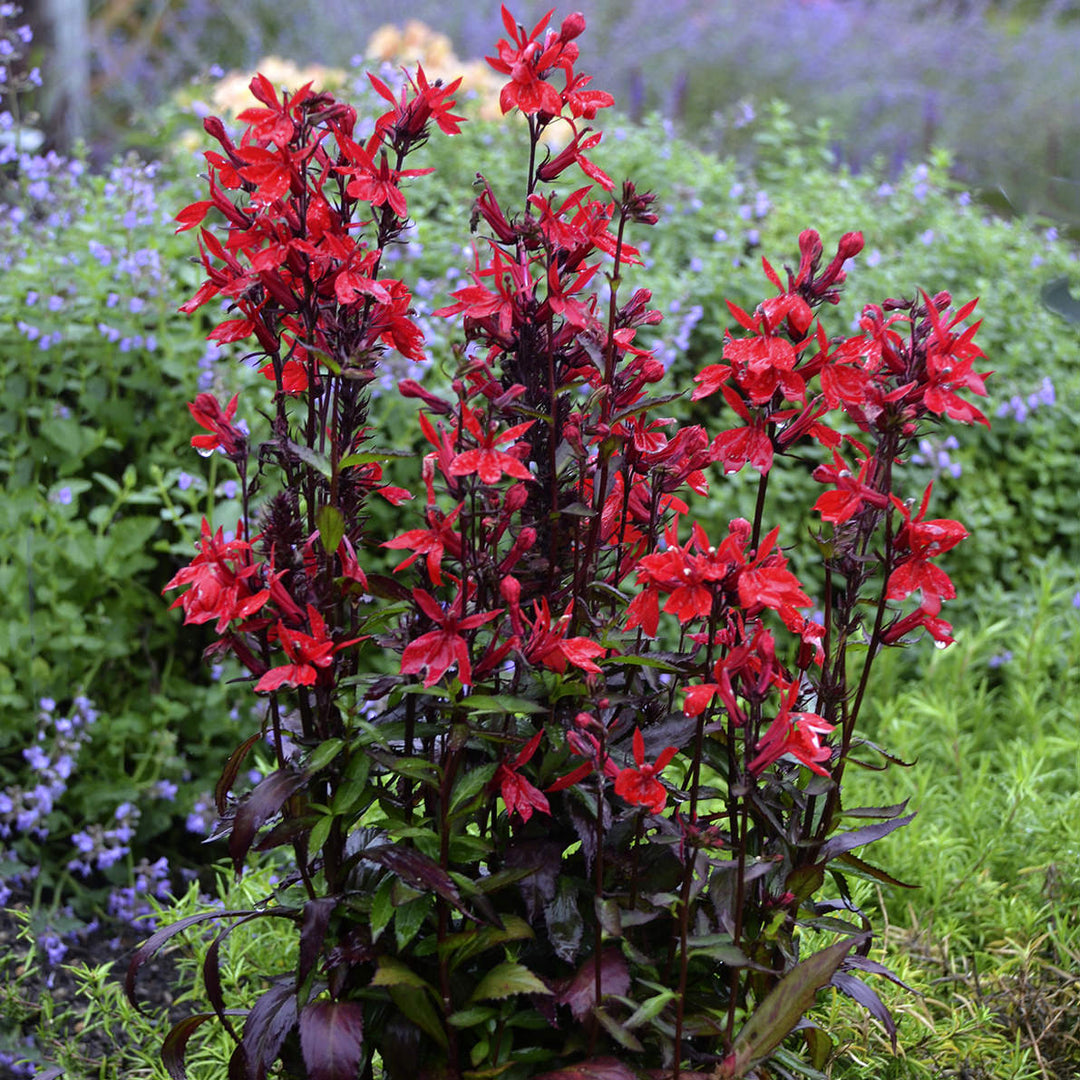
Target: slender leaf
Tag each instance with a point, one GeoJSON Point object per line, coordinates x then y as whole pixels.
{"type": "Point", "coordinates": [839, 843]}
{"type": "Point", "coordinates": [859, 992]}
{"type": "Point", "coordinates": [782, 1009]}
{"type": "Point", "coordinates": [264, 801]}
{"type": "Point", "coordinates": [271, 1019]}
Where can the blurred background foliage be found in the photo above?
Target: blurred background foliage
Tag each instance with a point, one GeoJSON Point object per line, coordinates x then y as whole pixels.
{"type": "Point", "coordinates": [994, 80]}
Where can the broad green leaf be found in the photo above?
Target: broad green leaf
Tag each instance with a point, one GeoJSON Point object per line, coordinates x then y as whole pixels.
{"type": "Point", "coordinates": [417, 1007]}
{"type": "Point", "coordinates": [649, 1009]}
{"type": "Point", "coordinates": [471, 1016]}
{"type": "Point", "coordinates": [319, 462]}
{"type": "Point", "coordinates": [409, 918]}
{"type": "Point", "coordinates": [370, 457]}
{"type": "Point", "coordinates": [471, 784]}
{"type": "Point", "coordinates": [319, 832]}
{"type": "Point", "coordinates": [331, 526]}
{"type": "Point", "coordinates": [507, 979]}
{"type": "Point", "coordinates": [395, 972]}
{"type": "Point", "coordinates": [382, 909]}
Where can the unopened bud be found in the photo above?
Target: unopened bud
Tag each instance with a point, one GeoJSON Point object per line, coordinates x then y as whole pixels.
{"type": "Point", "coordinates": [573, 26]}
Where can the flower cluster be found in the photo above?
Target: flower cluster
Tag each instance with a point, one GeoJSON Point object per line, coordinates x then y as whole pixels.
{"type": "Point", "coordinates": [522, 733]}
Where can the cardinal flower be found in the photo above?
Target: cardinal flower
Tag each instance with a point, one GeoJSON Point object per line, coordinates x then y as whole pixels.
{"type": "Point", "coordinates": [439, 649]}
{"type": "Point", "coordinates": [640, 786]}
{"type": "Point", "coordinates": [306, 652]}
{"type": "Point", "coordinates": [518, 793]}
{"type": "Point", "coordinates": [795, 733]}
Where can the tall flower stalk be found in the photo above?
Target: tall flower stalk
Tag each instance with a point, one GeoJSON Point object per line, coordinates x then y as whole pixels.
{"type": "Point", "coordinates": [573, 827]}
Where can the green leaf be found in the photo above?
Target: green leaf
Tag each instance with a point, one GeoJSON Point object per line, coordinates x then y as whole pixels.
{"type": "Point", "coordinates": [502, 703]}
{"type": "Point", "coordinates": [471, 1016]}
{"type": "Point", "coordinates": [782, 1009]}
{"type": "Point", "coordinates": [323, 754]}
{"type": "Point", "coordinates": [416, 1005]}
{"type": "Point", "coordinates": [507, 979]}
{"type": "Point", "coordinates": [650, 1008]}
{"type": "Point", "coordinates": [331, 526]}
{"type": "Point", "coordinates": [410, 917]}
{"type": "Point", "coordinates": [319, 832]}
{"type": "Point", "coordinates": [394, 972]}
{"type": "Point", "coordinates": [370, 457]}
{"type": "Point", "coordinates": [382, 908]}
{"type": "Point", "coordinates": [472, 783]}
{"type": "Point", "coordinates": [626, 1039]}
{"type": "Point", "coordinates": [319, 462]}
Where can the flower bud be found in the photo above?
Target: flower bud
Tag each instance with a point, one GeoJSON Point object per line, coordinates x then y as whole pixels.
{"type": "Point", "coordinates": [573, 26]}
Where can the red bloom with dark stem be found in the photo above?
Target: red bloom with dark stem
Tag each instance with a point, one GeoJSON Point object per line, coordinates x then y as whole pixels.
{"type": "Point", "coordinates": [208, 414]}
{"type": "Point", "coordinates": [795, 733]}
{"type": "Point", "coordinates": [518, 793]}
{"type": "Point", "coordinates": [438, 650]}
{"type": "Point", "coordinates": [306, 652]}
{"type": "Point", "coordinates": [640, 786]}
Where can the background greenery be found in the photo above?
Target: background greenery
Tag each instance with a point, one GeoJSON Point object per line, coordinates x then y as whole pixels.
{"type": "Point", "coordinates": [103, 495]}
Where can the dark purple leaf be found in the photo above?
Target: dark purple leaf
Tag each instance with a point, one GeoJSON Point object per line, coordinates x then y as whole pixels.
{"type": "Point", "coordinates": [877, 811]}
{"type": "Point", "coordinates": [387, 588]}
{"type": "Point", "coordinates": [417, 870]}
{"type": "Point", "coordinates": [580, 995]}
{"type": "Point", "coordinates": [175, 1044]}
{"type": "Point", "coordinates": [260, 806]}
{"type": "Point", "coordinates": [212, 965]}
{"type": "Point", "coordinates": [159, 937]}
{"type": "Point", "coordinates": [594, 1069]}
{"type": "Point", "coordinates": [840, 843]}
{"type": "Point", "coordinates": [232, 768]}
{"type": "Point", "coordinates": [859, 992]}
{"type": "Point", "coordinates": [865, 869]}
{"type": "Point", "coordinates": [332, 1039]}
{"type": "Point", "coordinates": [864, 963]}
{"type": "Point", "coordinates": [268, 1024]}
{"type": "Point", "coordinates": [781, 1009]}
{"type": "Point", "coordinates": [544, 859]}
{"type": "Point", "coordinates": [316, 919]}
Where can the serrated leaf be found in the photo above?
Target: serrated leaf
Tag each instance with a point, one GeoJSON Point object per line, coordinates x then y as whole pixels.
{"type": "Point", "coordinates": [507, 979]}
{"type": "Point", "coordinates": [323, 754]}
{"type": "Point", "coordinates": [839, 843]}
{"type": "Point", "coordinates": [319, 462]}
{"type": "Point", "coordinates": [394, 972]}
{"type": "Point", "coordinates": [264, 801]}
{"type": "Point", "coordinates": [626, 1039]}
{"type": "Point", "coordinates": [471, 1016]}
{"type": "Point", "coordinates": [471, 784]}
{"type": "Point", "coordinates": [271, 1019]}
{"type": "Point", "coordinates": [408, 919]}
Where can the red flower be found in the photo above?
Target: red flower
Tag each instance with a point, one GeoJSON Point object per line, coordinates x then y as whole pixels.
{"type": "Point", "coordinates": [430, 542]}
{"type": "Point", "coordinates": [223, 433]}
{"type": "Point", "coordinates": [798, 734]}
{"type": "Point", "coordinates": [518, 793]}
{"type": "Point", "coordinates": [440, 649]}
{"type": "Point", "coordinates": [547, 645]}
{"type": "Point", "coordinates": [639, 786]}
{"type": "Point", "coordinates": [488, 461]}
{"type": "Point", "coordinates": [925, 540]}
{"type": "Point", "coordinates": [218, 577]}
{"type": "Point", "coordinates": [527, 62]}
{"type": "Point", "coordinates": [306, 653]}
{"type": "Point", "coordinates": [411, 116]}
